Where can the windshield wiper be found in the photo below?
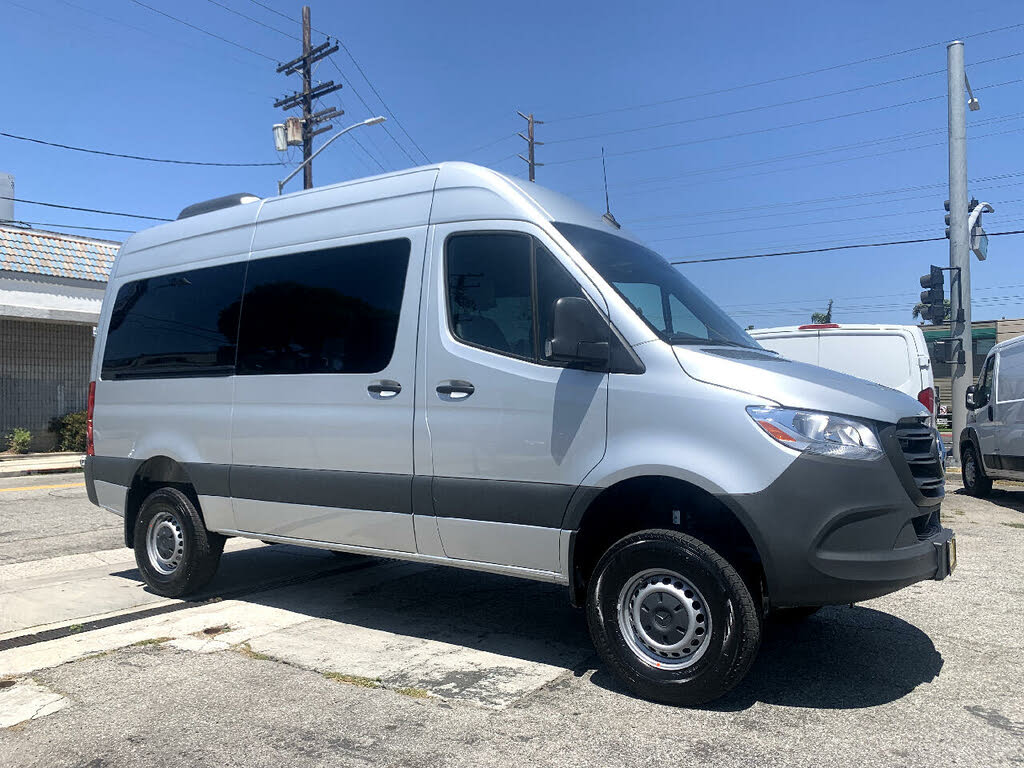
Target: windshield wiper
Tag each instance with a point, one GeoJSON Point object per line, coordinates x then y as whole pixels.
{"type": "Point", "coordinates": [695, 341]}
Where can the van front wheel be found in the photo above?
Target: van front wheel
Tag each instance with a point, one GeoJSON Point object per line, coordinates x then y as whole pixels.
{"type": "Point", "coordinates": [672, 618]}
{"type": "Point", "coordinates": [175, 553]}
{"type": "Point", "coordinates": [973, 474]}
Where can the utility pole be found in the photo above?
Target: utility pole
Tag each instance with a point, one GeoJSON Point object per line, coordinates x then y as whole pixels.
{"type": "Point", "coordinates": [959, 245]}
{"type": "Point", "coordinates": [309, 94]}
{"type": "Point", "coordinates": [531, 143]}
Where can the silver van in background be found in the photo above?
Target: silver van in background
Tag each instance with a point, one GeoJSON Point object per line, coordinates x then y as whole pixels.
{"type": "Point", "coordinates": [451, 366]}
{"type": "Point", "coordinates": [992, 443]}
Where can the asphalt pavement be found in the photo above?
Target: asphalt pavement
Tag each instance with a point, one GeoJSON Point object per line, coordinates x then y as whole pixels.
{"type": "Point", "coordinates": [301, 658]}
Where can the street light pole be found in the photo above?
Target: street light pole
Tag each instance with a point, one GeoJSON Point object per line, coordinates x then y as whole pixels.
{"type": "Point", "coordinates": [325, 145]}
{"type": "Point", "coordinates": [959, 239]}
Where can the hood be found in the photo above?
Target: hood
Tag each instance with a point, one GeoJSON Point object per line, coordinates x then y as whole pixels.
{"type": "Point", "coordinates": [796, 385]}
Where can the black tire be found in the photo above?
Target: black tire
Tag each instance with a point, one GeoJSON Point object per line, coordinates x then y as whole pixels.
{"type": "Point", "coordinates": [976, 483]}
{"type": "Point", "coordinates": [192, 553]}
{"type": "Point", "coordinates": [722, 656]}
{"type": "Point", "coordinates": [793, 615]}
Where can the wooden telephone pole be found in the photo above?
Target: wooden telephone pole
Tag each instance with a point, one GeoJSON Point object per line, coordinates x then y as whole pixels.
{"type": "Point", "coordinates": [309, 94]}
{"type": "Point", "coordinates": [531, 143]}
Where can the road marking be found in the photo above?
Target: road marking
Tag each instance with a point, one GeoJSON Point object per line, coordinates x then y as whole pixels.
{"type": "Point", "coordinates": [42, 487]}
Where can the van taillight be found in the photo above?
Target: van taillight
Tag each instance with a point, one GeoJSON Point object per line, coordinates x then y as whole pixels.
{"type": "Point", "coordinates": [927, 398]}
{"type": "Point", "coordinates": [90, 450]}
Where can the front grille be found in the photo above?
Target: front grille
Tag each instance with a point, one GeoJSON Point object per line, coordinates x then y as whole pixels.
{"type": "Point", "coordinates": [921, 452]}
{"type": "Point", "coordinates": [927, 525]}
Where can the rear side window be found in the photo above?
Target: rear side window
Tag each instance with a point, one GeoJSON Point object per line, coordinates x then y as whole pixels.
{"type": "Point", "coordinates": [182, 324]}
{"type": "Point", "coordinates": [1010, 374]}
{"type": "Point", "coordinates": [329, 311]}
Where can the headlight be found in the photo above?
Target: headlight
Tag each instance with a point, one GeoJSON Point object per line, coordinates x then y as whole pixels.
{"type": "Point", "coordinates": [818, 433]}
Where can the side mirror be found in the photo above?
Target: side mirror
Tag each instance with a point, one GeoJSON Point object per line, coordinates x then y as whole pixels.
{"type": "Point", "coordinates": [969, 397]}
{"type": "Point", "coordinates": [578, 334]}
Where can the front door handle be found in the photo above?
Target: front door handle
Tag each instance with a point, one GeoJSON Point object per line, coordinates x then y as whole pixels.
{"type": "Point", "coordinates": [384, 389]}
{"type": "Point", "coordinates": [455, 389]}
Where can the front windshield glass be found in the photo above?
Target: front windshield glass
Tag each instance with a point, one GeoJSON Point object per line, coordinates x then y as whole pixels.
{"type": "Point", "coordinates": [669, 303]}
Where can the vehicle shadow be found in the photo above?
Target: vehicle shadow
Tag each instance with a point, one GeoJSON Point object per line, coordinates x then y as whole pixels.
{"type": "Point", "coordinates": [841, 658]}
{"type": "Point", "coordinates": [1001, 497]}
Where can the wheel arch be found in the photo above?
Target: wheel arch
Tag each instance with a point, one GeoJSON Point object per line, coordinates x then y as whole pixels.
{"type": "Point", "coordinates": [596, 519]}
{"type": "Point", "coordinates": [155, 472]}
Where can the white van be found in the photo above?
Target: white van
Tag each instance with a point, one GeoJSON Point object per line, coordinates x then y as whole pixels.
{"type": "Point", "coordinates": [894, 356]}
{"type": "Point", "coordinates": [451, 366]}
{"type": "Point", "coordinates": [992, 443]}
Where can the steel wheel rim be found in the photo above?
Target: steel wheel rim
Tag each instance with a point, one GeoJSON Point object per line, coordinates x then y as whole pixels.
{"type": "Point", "coordinates": [165, 543]}
{"type": "Point", "coordinates": [664, 619]}
{"type": "Point", "coordinates": [970, 470]}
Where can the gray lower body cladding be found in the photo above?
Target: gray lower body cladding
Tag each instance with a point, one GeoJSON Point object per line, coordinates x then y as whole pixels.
{"type": "Point", "coordinates": [834, 531]}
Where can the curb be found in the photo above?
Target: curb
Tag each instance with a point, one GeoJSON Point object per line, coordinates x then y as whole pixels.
{"type": "Point", "coordinates": [38, 465]}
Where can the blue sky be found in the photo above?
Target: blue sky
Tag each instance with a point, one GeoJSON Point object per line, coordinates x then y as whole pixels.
{"type": "Point", "coordinates": [113, 75]}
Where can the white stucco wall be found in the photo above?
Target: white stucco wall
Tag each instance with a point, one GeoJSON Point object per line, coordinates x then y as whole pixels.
{"type": "Point", "coordinates": [37, 297]}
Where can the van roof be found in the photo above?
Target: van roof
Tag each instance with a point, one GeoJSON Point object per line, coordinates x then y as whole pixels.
{"type": "Point", "coordinates": [814, 328]}
{"type": "Point", "coordinates": [455, 191]}
{"type": "Point", "coordinates": [1007, 343]}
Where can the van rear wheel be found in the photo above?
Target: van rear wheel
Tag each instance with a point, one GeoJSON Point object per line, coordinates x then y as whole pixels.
{"type": "Point", "coordinates": [672, 618]}
{"type": "Point", "coordinates": [175, 553]}
{"type": "Point", "coordinates": [973, 473]}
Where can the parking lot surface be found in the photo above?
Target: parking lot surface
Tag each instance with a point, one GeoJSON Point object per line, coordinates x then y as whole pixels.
{"type": "Point", "coordinates": [298, 657]}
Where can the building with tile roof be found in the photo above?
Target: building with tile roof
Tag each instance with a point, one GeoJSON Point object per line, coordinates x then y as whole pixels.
{"type": "Point", "coordinates": [51, 291]}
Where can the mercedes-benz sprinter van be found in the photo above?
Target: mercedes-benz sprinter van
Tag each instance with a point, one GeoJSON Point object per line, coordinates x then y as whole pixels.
{"type": "Point", "coordinates": [992, 443]}
{"type": "Point", "coordinates": [451, 366]}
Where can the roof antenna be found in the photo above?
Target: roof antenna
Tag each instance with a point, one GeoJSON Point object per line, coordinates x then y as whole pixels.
{"type": "Point", "coordinates": [607, 206]}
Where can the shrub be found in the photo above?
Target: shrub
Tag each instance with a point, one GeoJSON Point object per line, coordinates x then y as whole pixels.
{"type": "Point", "coordinates": [70, 431]}
{"type": "Point", "coordinates": [18, 440]}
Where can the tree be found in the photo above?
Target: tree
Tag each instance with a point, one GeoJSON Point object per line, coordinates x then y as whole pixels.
{"type": "Point", "coordinates": [821, 318]}
{"type": "Point", "coordinates": [919, 308]}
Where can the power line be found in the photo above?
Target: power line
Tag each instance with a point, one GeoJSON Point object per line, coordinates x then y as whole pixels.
{"type": "Point", "coordinates": [746, 110]}
{"type": "Point", "coordinates": [782, 78]}
{"type": "Point", "coordinates": [807, 153]}
{"type": "Point", "coordinates": [86, 210]}
{"type": "Point", "coordinates": [832, 248]}
{"type": "Point", "coordinates": [254, 21]}
{"type": "Point", "coordinates": [368, 82]}
{"type": "Point", "coordinates": [75, 226]}
{"type": "Point", "coordinates": [134, 157]}
{"type": "Point", "coordinates": [204, 31]}
{"type": "Point", "coordinates": [769, 129]}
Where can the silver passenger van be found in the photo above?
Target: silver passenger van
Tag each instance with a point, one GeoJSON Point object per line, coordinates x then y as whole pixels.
{"type": "Point", "coordinates": [992, 443]}
{"type": "Point", "coordinates": [450, 366]}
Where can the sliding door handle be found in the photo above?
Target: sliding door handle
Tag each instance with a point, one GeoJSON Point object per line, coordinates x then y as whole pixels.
{"type": "Point", "coordinates": [384, 389]}
{"type": "Point", "coordinates": [455, 389]}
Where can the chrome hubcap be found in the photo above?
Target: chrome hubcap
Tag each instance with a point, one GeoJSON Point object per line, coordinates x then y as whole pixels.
{"type": "Point", "coordinates": [165, 543]}
{"type": "Point", "coordinates": [664, 619]}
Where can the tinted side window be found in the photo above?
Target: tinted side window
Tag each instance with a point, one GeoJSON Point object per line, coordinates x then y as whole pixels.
{"type": "Point", "coordinates": [490, 301]}
{"type": "Point", "coordinates": [553, 283]}
{"type": "Point", "coordinates": [329, 311]}
{"type": "Point", "coordinates": [183, 324]}
{"type": "Point", "coordinates": [984, 389]}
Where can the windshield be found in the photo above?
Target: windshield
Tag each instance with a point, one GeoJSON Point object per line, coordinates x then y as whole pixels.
{"type": "Point", "coordinates": [669, 303]}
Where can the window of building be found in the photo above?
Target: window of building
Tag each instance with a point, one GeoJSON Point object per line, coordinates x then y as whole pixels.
{"type": "Point", "coordinates": [329, 311]}
{"type": "Point", "coordinates": [181, 324]}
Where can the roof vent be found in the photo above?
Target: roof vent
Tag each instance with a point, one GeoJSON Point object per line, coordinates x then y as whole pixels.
{"type": "Point", "coordinates": [217, 203]}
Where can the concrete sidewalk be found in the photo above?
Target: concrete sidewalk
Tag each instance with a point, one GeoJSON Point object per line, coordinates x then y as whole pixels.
{"type": "Point", "coordinates": [39, 463]}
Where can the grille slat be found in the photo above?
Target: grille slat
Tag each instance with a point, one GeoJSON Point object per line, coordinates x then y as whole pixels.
{"type": "Point", "coordinates": [920, 452]}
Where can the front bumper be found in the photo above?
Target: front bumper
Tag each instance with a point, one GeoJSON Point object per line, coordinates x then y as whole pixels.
{"type": "Point", "coordinates": [833, 531]}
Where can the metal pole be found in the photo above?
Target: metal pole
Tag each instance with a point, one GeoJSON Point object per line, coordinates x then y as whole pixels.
{"type": "Point", "coordinates": [959, 239]}
{"type": "Point", "coordinates": [533, 167]}
{"type": "Point", "coordinates": [307, 102]}
{"type": "Point", "coordinates": [338, 135]}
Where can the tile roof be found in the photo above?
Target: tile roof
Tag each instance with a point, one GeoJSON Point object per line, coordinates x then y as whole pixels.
{"type": "Point", "coordinates": [51, 253]}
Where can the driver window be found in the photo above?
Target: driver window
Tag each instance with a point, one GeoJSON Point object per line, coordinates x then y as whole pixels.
{"type": "Point", "coordinates": [983, 391]}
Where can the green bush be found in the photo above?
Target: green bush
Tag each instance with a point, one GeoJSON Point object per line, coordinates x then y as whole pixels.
{"type": "Point", "coordinates": [18, 440]}
{"type": "Point", "coordinates": [70, 431]}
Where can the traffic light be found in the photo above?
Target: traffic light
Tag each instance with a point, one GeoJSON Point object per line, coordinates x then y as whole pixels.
{"type": "Point", "coordinates": [970, 207]}
{"type": "Point", "coordinates": [934, 296]}
{"type": "Point", "coordinates": [947, 219]}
